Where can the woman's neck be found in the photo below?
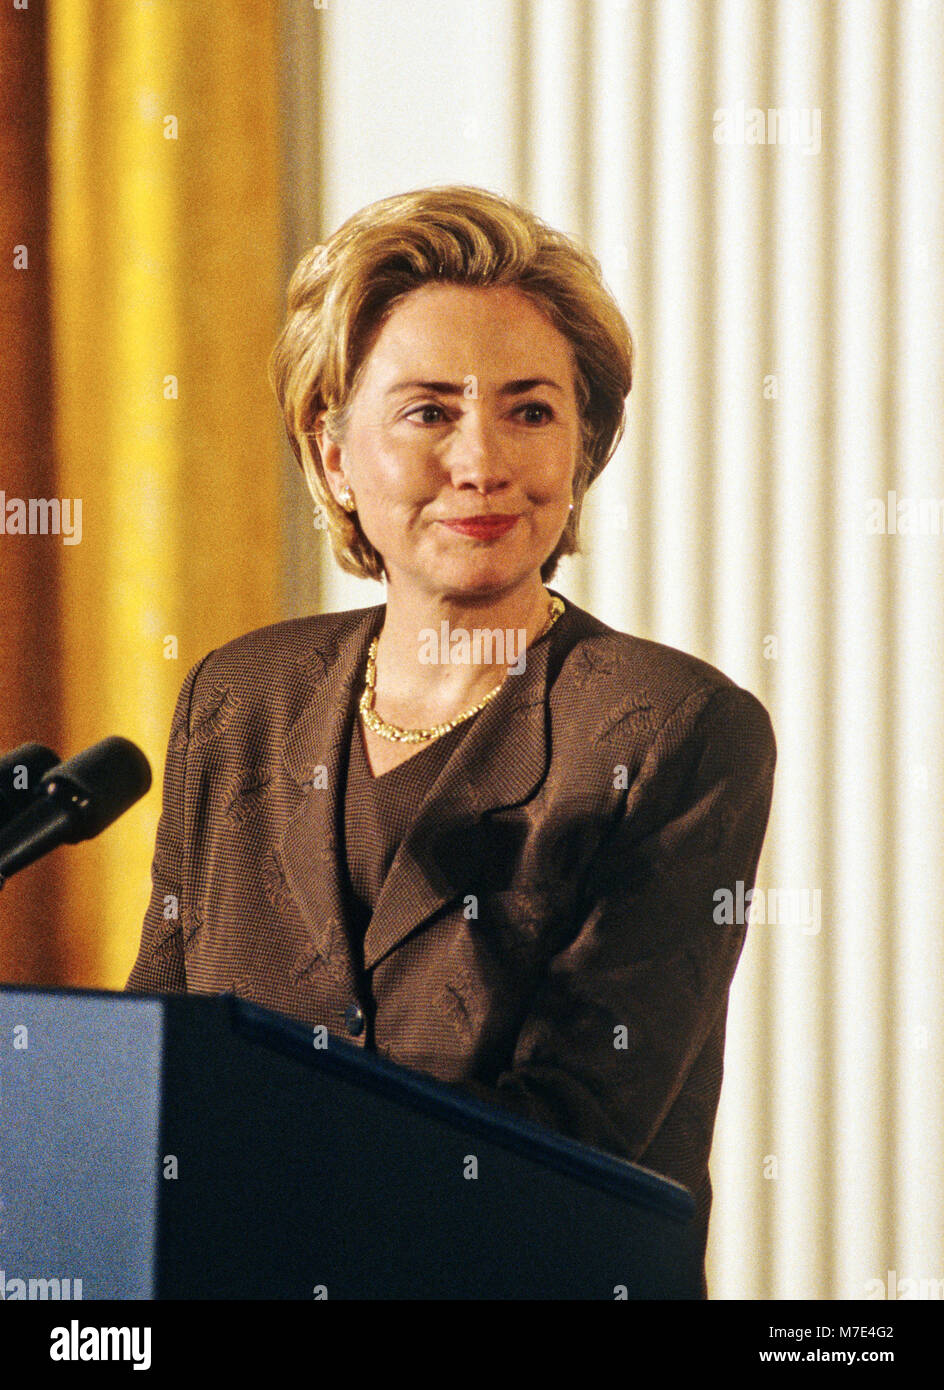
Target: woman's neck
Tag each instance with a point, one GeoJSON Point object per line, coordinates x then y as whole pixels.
{"type": "Point", "coordinates": [438, 655]}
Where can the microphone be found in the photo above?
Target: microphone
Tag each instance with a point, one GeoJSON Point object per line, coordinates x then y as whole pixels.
{"type": "Point", "coordinates": [33, 759]}
{"type": "Point", "coordinates": [75, 801]}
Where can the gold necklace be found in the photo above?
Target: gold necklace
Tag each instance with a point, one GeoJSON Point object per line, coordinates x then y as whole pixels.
{"type": "Point", "coordinates": [397, 735]}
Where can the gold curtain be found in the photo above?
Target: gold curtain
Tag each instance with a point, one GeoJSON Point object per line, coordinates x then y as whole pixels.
{"type": "Point", "coordinates": [166, 275]}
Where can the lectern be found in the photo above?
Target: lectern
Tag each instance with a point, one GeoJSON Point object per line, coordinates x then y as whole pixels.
{"type": "Point", "coordinates": [203, 1147]}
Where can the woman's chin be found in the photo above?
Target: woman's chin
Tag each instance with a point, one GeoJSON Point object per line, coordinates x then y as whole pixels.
{"type": "Point", "coordinates": [482, 575]}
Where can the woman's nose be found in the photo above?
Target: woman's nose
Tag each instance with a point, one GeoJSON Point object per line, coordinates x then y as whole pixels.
{"type": "Point", "coordinates": [476, 455]}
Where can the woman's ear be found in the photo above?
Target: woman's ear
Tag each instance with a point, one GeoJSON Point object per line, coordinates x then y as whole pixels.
{"type": "Point", "coordinates": [331, 453]}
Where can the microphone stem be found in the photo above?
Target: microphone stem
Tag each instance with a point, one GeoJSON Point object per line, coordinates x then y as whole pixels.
{"type": "Point", "coordinates": [31, 835]}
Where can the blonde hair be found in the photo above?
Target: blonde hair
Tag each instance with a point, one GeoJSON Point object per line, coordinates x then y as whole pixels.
{"type": "Point", "coordinates": [342, 292]}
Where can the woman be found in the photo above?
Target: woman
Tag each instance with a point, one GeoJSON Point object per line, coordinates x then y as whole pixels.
{"type": "Point", "coordinates": [474, 828]}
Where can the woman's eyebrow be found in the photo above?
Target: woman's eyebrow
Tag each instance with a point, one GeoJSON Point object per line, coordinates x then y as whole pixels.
{"type": "Point", "coordinates": [515, 388]}
{"type": "Point", "coordinates": [452, 388]}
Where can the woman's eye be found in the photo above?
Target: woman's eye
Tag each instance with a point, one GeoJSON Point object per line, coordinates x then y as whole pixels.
{"type": "Point", "coordinates": [534, 413]}
{"type": "Point", "coordinates": [427, 414]}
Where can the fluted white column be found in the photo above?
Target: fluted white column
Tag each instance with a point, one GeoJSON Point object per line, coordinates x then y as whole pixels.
{"type": "Point", "coordinates": [681, 267]}
{"type": "Point", "coordinates": [915, 926]}
{"type": "Point", "coordinates": [859, 462]}
{"type": "Point", "coordinates": [616, 529]}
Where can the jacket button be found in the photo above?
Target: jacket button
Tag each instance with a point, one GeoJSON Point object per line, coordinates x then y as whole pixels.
{"type": "Point", "coordinates": [354, 1019]}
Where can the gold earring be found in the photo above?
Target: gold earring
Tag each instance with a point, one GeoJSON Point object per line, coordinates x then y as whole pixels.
{"type": "Point", "coordinates": [346, 498]}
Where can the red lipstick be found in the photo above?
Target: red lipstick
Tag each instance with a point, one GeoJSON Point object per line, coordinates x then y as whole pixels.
{"type": "Point", "coordinates": [482, 528]}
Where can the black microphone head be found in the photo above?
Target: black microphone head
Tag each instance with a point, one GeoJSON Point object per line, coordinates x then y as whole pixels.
{"type": "Point", "coordinates": [21, 773]}
{"type": "Point", "coordinates": [99, 784]}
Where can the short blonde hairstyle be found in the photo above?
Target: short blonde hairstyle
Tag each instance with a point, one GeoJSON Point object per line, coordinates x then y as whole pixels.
{"type": "Point", "coordinates": [342, 293]}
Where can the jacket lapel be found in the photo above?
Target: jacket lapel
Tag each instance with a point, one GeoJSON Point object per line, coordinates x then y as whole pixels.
{"type": "Point", "coordinates": [314, 753]}
{"type": "Point", "coordinates": [500, 761]}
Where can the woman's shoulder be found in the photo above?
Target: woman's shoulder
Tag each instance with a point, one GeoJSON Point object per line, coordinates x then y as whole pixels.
{"type": "Point", "coordinates": [295, 644]}
{"type": "Point", "coordinates": [272, 669]}
{"type": "Point", "coordinates": [645, 681]}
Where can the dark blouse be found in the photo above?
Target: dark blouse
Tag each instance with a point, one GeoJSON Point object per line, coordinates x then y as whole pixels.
{"type": "Point", "coordinates": [377, 813]}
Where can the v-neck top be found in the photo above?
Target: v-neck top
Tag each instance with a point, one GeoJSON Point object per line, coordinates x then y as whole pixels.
{"type": "Point", "coordinates": [378, 813]}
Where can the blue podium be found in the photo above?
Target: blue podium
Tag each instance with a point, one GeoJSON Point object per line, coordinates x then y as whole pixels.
{"type": "Point", "coordinates": [165, 1147]}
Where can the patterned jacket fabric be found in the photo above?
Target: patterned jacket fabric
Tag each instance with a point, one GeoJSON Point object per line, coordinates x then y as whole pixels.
{"type": "Point", "coordinates": [548, 936]}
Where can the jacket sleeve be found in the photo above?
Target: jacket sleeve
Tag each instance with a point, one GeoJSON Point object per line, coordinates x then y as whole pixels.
{"type": "Point", "coordinates": [159, 968]}
{"type": "Point", "coordinates": [625, 1008]}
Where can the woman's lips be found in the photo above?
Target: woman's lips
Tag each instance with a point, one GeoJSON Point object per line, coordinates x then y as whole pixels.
{"type": "Point", "coordinates": [484, 528]}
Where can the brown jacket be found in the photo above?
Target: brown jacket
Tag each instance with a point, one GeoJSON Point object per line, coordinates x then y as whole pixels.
{"type": "Point", "coordinates": [548, 936]}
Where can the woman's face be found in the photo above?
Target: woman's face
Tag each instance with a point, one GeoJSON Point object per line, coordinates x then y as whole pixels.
{"type": "Point", "coordinates": [466, 409]}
